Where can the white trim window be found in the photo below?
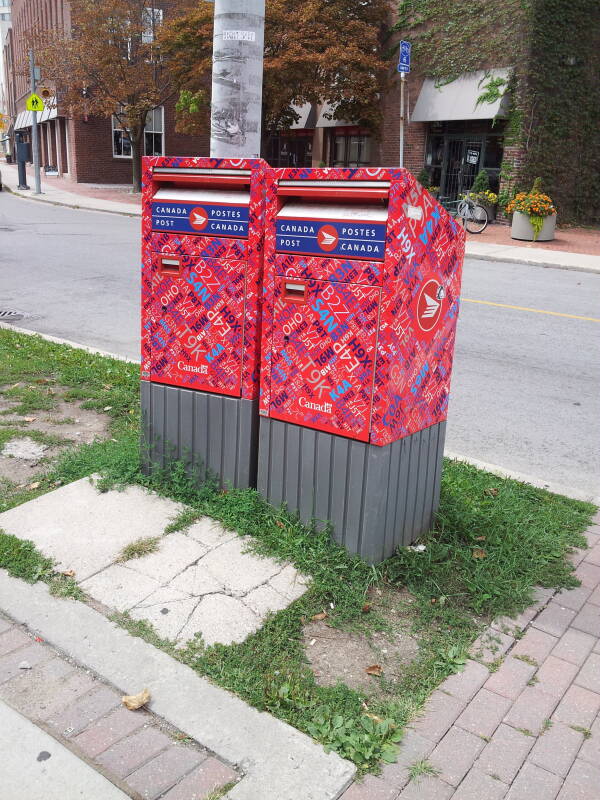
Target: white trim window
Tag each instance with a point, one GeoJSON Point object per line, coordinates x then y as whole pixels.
{"type": "Point", "coordinates": [154, 133]}
{"type": "Point", "coordinates": [154, 136]}
{"type": "Point", "coordinates": [151, 19]}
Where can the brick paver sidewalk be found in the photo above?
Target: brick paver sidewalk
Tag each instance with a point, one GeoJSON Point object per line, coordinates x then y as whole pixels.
{"type": "Point", "coordinates": [530, 730]}
{"type": "Point", "coordinates": [135, 750]}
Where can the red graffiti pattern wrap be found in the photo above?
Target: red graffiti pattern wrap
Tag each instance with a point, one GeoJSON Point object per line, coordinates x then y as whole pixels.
{"type": "Point", "coordinates": [201, 293]}
{"type": "Point", "coordinates": [361, 348]}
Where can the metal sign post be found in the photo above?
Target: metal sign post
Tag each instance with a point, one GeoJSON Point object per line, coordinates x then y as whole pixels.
{"type": "Point", "coordinates": [403, 69]}
{"type": "Point", "coordinates": [34, 130]}
{"type": "Point", "coordinates": [237, 75]}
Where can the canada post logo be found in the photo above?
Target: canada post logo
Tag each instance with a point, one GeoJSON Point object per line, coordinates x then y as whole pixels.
{"type": "Point", "coordinates": [327, 238]}
{"type": "Point", "coordinates": [348, 239]}
{"type": "Point", "coordinates": [429, 305]}
{"type": "Point", "coordinates": [209, 219]}
{"type": "Point", "coordinates": [198, 218]}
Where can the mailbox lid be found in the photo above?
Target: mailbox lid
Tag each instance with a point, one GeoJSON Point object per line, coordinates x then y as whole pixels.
{"type": "Point", "coordinates": [195, 324]}
{"type": "Point", "coordinates": [184, 244]}
{"type": "Point", "coordinates": [199, 211]}
{"type": "Point", "coordinates": [332, 230]}
{"type": "Point", "coordinates": [323, 355]}
{"type": "Point", "coordinates": [339, 270]}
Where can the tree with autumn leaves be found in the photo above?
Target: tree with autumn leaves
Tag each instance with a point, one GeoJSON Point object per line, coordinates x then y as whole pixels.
{"type": "Point", "coordinates": [110, 63]}
{"type": "Point", "coordinates": [315, 51]}
{"type": "Point", "coordinates": [120, 58]}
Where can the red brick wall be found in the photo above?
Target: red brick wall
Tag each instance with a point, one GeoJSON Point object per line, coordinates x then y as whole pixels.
{"type": "Point", "coordinates": [415, 133]}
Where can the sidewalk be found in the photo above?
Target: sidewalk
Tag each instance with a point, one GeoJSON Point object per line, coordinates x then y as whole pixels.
{"type": "Point", "coordinates": [522, 721]}
{"type": "Point", "coordinates": [574, 248]}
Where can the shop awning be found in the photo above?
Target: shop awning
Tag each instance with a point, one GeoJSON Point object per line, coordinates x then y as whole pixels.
{"type": "Point", "coordinates": [458, 99]}
{"type": "Point", "coordinates": [324, 122]}
{"type": "Point", "coordinates": [24, 118]}
{"type": "Point", "coordinates": [307, 115]}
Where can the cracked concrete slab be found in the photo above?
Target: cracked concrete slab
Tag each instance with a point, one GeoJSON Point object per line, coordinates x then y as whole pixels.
{"type": "Point", "coordinates": [85, 530]}
{"type": "Point", "coordinates": [197, 581]}
{"type": "Point", "coordinates": [119, 587]}
{"type": "Point", "coordinates": [168, 616]}
{"type": "Point", "coordinates": [210, 532]}
{"type": "Point", "coordinates": [290, 583]}
{"type": "Point", "coordinates": [237, 568]}
{"type": "Point", "coordinates": [265, 599]}
{"type": "Point", "coordinates": [219, 618]}
{"type": "Point", "coordinates": [175, 552]}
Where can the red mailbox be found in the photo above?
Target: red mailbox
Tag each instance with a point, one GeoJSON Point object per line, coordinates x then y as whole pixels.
{"type": "Point", "coordinates": [362, 280]}
{"type": "Point", "coordinates": [202, 247]}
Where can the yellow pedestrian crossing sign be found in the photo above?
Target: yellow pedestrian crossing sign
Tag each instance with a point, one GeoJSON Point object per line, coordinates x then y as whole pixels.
{"type": "Point", "coordinates": [34, 103]}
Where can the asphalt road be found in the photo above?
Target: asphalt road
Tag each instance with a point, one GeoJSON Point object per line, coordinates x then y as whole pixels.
{"type": "Point", "coordinates": [526, 384]}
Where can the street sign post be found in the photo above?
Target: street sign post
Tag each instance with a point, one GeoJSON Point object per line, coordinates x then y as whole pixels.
{"type": "Point", "coordinates": [404, 57]}
{"type": "Point", "coordinates": [403, 69]}
{"type": "Point", "coordinates": [34, 104]}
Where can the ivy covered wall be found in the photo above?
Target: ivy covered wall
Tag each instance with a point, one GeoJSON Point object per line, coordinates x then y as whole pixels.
{"type": "Point", "coordinates": [562, 135]}
{"type": "Point", "coordinates": [553, 48]}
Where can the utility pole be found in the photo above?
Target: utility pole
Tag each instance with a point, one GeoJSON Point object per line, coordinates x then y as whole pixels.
{"type": "Point", "coordinates": [237, 76]}
{"type": "Point", "coordinates": [402, 79]}
{"type": "Point", "coordinates": [35, 146]}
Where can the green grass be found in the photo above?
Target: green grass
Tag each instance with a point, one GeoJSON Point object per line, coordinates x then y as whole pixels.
{"type": "Point", "coordinates": [29, 398]}
{"type": "Point", "coordinates": [22, 560]}
{"type": "Point", "coordinates": [421, 769]}
{"type": "Point", "coordinates": [495, 540]}
{"type": "Point", "coordinates": [139, 548]}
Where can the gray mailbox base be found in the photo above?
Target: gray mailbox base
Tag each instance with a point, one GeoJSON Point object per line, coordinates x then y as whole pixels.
{"type": "Point", "coordinates": [203, 430]}
{"type": "Point", "coordinates": [376, 498]}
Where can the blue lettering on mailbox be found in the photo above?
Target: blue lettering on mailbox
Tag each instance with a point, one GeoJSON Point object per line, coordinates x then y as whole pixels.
{"type": "Point", "coordinates": [206, 219]}
{"type": "Point", "coordinates": [349, 239]}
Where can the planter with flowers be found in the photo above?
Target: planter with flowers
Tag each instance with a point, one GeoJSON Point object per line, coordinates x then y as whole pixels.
{"type": "Point", "coordinates": [534, 216]}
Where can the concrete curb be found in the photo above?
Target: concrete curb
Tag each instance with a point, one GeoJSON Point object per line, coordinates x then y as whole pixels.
{"type": "Point", "coordinates": [78, 206]}
{"type": "Point", "coordinates": [279, 762]}
{"type": "Point", "coordinates": [502, 472]}
{"type": "Point", "coordinates": [533, 262]}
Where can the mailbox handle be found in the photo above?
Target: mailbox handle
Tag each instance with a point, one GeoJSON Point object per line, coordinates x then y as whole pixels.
{"type": "Point", "coordinates": [170, 265]}
{"type": "Point", "coordinates": [294, 291]}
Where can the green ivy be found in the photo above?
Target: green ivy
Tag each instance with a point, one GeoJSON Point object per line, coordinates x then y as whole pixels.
{"type": "Point", "coordinates": [553, 50]}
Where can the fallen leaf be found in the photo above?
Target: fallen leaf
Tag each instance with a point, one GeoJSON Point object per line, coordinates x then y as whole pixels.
{"type": "Point", "coordinates": [279, 523]}
{"type": "Point", "coordinates": [374, 669]}
{"type": "Point", "coordinates": [479, 553]}
{"type": "Point", "coordinates": [68, 573]}
{"type": "Point", "coordinates": [133, 701]}
{"type": "Point", "coordinates": [480, 538]}
{"type": "Point", "coordinates": [374, 717]}
{"type": "Point", "coordinates": [366, 608]}
{"type": "Point", "coordinates": [34, 485]}
{"type": "Point", "coordinates": [492, 492]}
{"type": "Point", "coordinates": [317, 617]}
{"type": "Point", "coordinates": [29, 419]}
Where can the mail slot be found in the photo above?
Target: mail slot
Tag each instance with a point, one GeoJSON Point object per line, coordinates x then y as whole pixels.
{"type": "Point", "coordinates": [202, 246]}
{"type": "Point", "coordinates": [362, 281]}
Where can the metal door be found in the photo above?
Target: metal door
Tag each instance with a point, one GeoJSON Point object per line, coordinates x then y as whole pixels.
{"type": "Point", "coordinates": [462, 163]}
{"type": "Point", "coordinates": [197, 322]}
{"type": "Point", "coordinates": [323, 355]}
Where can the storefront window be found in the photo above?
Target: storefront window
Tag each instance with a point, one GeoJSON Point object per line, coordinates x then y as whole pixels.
{"type": "Point", "coordinates": [350, 149]}
{"type": "Point", "coordinates": [290, 151]}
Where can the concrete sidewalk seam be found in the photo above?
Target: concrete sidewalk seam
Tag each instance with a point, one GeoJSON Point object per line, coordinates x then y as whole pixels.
{"type": "Point", "coordinates": [279, 761]}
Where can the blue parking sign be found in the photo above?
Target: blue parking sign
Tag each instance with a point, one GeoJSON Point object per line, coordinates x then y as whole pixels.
{"type": "Point", "coordinates": [404, 57]}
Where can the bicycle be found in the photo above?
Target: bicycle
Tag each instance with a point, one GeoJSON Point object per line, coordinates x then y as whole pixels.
{"type": "Point", "coordinates": [475, 217]}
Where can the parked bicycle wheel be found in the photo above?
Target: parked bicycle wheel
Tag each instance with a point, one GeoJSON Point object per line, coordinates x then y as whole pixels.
{"type": "Point", "coordinates": [476, 218]}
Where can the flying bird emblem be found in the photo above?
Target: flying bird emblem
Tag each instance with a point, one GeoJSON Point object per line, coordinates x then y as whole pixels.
{"type": "Point", "coordinates": [327, 238]}
{"type": "Point", "coordinates": [432, 307]}
{"type": "Point", "coordinates": [199, 219]}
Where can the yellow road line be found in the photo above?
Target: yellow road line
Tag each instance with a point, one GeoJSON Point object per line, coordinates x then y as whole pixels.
{"type": "Point", "coordinates": [533, 310]}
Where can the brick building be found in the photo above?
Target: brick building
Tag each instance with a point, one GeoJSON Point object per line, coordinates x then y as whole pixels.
{"type": "Point", "coordinates": [86, 150]}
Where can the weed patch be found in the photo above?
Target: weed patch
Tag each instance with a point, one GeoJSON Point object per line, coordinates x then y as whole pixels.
{"type": "Point", "coordinates": [139, 548]}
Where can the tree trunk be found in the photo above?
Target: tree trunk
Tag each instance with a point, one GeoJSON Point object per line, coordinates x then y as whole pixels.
{"type": "Point", "coordinates": [137, 140]}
